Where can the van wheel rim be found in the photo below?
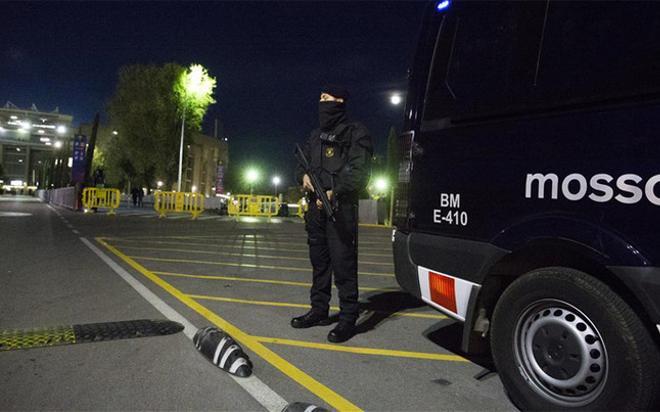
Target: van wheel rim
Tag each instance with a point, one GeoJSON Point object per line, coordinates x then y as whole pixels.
{"type": "Point", "coordinates": [560, 353]}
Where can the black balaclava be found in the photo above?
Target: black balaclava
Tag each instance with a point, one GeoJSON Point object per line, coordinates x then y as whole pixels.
{"type": "Point", "coordinates": [332, 113]}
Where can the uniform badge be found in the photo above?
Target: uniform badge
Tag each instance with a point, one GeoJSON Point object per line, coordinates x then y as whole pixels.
{"type": "Point", "coordinates": [329, 151]}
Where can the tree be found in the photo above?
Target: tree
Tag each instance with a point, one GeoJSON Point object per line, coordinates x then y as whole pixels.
{"type": "Point", "coordinates": [146, 111]}
{"type": "Point", "coordinates": [194, 88]}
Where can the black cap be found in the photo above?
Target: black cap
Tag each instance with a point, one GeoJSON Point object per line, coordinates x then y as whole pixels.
{"type": "Point", "coordinates": [336, 91]}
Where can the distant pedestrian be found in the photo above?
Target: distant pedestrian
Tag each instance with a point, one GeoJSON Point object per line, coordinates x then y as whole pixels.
{"type": "Point", "coordinates": [340, 154]}
{"type": "Point", "coordinates": [140, 194]}
{"type": "Point", "coordinates": [134, 195]}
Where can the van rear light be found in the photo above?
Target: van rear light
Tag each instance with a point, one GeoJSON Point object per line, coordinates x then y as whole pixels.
{"type": "Point", "coordinates": [442, 290]}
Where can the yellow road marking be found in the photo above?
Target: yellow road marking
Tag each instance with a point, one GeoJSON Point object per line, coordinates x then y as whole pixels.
{"type": "Point", "coordinates": [306, 306]}
{"type": "Point", "coordinates": [362, 350]}
{"type": "Point", "coordinates": [210, 252]}
{"type": "Point", "coordinates": [301, 235]}
{"type": "Point", "coordinates": [314, 386]}
{"type": "Point", "coordinates": [243, 265]}
{"type": "Point", "coordinates": [254, 280]}
{"type": "Point", "coordinates": [240, 239]}
{"type": "Point", "coordinates": [232, 245]}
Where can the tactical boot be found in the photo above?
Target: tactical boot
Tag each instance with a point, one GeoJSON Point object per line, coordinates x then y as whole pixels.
{"type": "Point", "coordinates": [309, 319]}
{"type": "Point", "coordinates": [342, 332]}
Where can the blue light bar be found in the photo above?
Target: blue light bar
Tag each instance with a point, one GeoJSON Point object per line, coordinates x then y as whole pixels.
{"type": "Point", "coordinates": [442, 5]}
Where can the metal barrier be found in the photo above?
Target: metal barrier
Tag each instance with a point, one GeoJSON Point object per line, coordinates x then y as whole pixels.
{"type": "Point", "coordinates": [186, 202]}
{"type": "Point", "coordinates": [95, 197]}
{"type": "Point", "coordinates": [64, 197]}
{"type": "Point", "coordinates": [253, 205]}
{"type": "Point", "coordinates": [302, 207]}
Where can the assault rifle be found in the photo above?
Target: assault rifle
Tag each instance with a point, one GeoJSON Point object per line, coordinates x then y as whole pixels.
{"type": "Point", "coordinates": [316, 184]}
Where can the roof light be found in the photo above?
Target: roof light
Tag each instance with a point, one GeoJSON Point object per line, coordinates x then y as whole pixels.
{"type": "Point", "coordinates": [442, 5]}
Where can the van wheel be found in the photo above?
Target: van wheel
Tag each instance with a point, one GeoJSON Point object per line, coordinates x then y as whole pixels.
{"type": "Point", "coordinates": [562, 339]}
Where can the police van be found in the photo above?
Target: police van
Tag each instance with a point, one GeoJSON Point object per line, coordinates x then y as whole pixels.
{"type": "Point", "coordinates": [528, 201]}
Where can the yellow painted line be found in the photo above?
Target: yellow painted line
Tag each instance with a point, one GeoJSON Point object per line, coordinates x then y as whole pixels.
{"type": "Point", "coordinates": [317, 388]}
{"type": "Point", "coordinates": [286, 236]}
{"type": "Point", "coordinates": [210, 252]}
{"type": "Point", "coordinates": [240, 239]}
{"type": "Point", "coordinates": [254, 280]}
{"type": "Point", "coordinates": [244, 265]}
{"type": "Point", "coordinates": [362, 350]}
{"type": "Point", "coordinates": [233, 245]}
{"type": "Point", "coordinates": [306, 306]}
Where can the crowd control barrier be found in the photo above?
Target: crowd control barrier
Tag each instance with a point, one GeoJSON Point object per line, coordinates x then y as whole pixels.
{"type": "Point", "coordinates": [185, 202]}
{"type": "Point", "coordinates": [94, 197]}
{"type": "Point", "coordinates": [302, 207]}
{"type": "Point", "coordinates": [64, 197]}
{"type": "Point", "coordinates": [252, 205]}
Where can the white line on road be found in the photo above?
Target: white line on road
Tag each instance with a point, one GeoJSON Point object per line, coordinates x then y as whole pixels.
{"type": "Point", "coordinates": [261, 392]}
{"type": "Point", "coordinates": [76, 232]}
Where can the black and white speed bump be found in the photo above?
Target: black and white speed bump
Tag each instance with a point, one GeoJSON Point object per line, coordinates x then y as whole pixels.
{"type": "Point", "coordinates": [223, 351]}
{"type": "Point", "coordinates": [303, 407]}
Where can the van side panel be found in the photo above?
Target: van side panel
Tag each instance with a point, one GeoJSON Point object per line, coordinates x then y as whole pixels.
{"type": "Point", "coordinates": [473, 181]}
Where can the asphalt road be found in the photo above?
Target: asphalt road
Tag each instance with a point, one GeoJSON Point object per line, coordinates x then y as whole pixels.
{"type": "Point", "coordinates": [249, 278]}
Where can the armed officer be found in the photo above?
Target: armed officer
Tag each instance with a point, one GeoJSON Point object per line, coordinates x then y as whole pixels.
{"type": "Point", "coordinates": [340, 154]}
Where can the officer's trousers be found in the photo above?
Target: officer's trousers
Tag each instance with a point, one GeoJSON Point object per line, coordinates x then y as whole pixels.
{"type": "Point", "coordinates": [333, 249]}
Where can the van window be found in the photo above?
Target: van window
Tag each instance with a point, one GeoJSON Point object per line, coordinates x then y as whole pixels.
{"type": "Point", "coordinates": [602, 50]}
{"type": "Point", "coordinates": [486, 61]}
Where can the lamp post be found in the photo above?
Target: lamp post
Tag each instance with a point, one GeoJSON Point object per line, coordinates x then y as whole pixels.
{"type": "Point", "coordinates": [251, 176]}
{"type": "Point", "coordinates": [183, 125]}
{"type": "Point", "coordinates": [195, 89]}
{"type": "Point", "coordinates": [276, 182]}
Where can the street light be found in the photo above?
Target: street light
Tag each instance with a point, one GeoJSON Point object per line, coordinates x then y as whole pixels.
{"type": "Point", "coordinates": [276, 182]}
{"type": "Point", "coordinates": [395, 99]}
{"type": "Point", "coordinates": [194, 88]}
{"type": "Point", "coordinates": [251, 177]}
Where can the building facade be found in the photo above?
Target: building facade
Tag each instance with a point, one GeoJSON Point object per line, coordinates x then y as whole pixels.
{"type": "Point", "coordinates": [34, 147]}
{"type": "Point", "coordinates": [207, 156]}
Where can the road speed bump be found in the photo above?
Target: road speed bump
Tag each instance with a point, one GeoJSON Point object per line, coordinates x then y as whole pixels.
{"type": "Point", "coordinates": [223, 351]}
{"type": "Point", "coordinates": [14, 339]}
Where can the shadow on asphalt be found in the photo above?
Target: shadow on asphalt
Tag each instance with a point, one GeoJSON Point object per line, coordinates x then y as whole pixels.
{"type": "Point", "coordinates": [380, 306]}
{"type": "Point", "coordinates": [450, 336]}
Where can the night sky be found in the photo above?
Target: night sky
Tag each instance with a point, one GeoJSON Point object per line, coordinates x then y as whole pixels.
{"type": "Point", "coordinates": [269, 59]}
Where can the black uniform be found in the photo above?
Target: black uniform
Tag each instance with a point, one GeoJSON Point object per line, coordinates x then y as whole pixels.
{"type": "Point", "coordinates": [340, 154]}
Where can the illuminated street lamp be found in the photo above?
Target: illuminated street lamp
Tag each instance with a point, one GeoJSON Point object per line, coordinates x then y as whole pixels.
{"type": "Point", "coordinates": [251, 177]}
{"type": "Point", "coordinates": [195, 89]}
{"type": "Point", "coordinates": [378, 188]}
{"type": "Point", "coordinates": [396, 99]}
{"type": "Point", "coordinates": [276, 182]}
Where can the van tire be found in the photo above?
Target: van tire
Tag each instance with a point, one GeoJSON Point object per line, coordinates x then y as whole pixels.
{"type": "Point", "coordinates": [547, 327]}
